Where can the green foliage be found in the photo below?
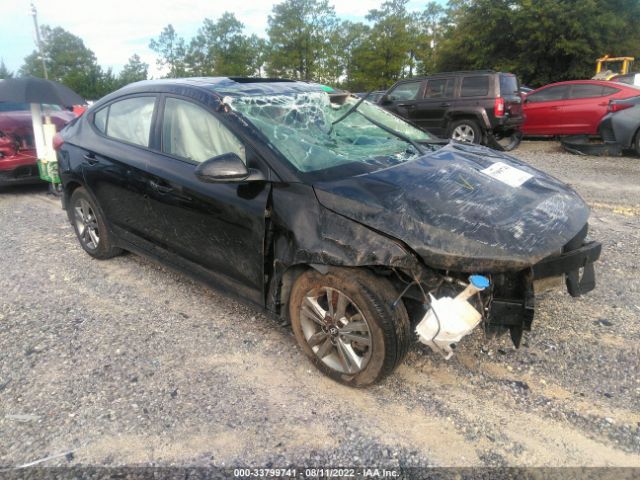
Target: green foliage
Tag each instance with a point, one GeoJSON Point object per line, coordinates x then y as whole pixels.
{"type": "Point", "coordinates": [428, 32]}
{"type": "Point", "coordinates": [386, 54]}
{"type": "Point", "coordinates": [134, 71]}
{"type": "Point", "coordinates": [69, 62]}
{"type": "Point", "coordinates": [171, 50]}
{"type": "Point", "coordinates": [4, 71]}
{"type": "Point", "coordinates": [542, 41]}
{"type": "Point", "coordinates": [222, 49]}
{"type": "Point", "coordinates": [300, 36]}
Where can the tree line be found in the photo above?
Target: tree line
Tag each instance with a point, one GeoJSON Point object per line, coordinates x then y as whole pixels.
{"type": "Point", "coordinates": [541, 41]}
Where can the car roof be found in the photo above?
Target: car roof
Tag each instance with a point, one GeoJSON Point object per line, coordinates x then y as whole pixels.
{"type": "Point", "coordinates": [582, 82]}
{"type": "Point", "coordinates": [449, 74]}
{"type": "Point", "coordinates": [227, 86]}
{"type": "Point", "coordinates": [605, 83]}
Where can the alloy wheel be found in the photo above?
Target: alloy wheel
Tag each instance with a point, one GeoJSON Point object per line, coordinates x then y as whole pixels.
{"type": "Point", "coordinates": [87, 224]}
{"type": "Point", "coordinates": [336, 330]}
{"type": "Point", "coordinates": [463, 133]}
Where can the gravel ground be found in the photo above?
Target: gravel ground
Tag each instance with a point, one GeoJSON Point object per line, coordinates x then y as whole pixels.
{"type": "Point", "coordinates": [128, 363]}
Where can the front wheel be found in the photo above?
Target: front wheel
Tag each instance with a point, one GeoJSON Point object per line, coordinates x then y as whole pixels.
{"type": "Point", "coordinates": [346, 324]}
{"type": "Point", "coordinates": [636, 143]}
{"type": "Point", "coordinates": [90, 226]}
{"type": "Point", "coordinates": [465, 130]}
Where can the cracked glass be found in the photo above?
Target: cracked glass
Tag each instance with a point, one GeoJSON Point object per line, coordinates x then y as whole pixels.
{"type": "Point", "coordinates": [302, 126]}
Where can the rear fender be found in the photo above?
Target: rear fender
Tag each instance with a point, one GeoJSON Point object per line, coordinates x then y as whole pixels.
{"type": "Point", "coordinates": [478, 114]}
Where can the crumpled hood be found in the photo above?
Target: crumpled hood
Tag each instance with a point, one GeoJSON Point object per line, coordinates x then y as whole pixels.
{"type": "Point", "coordinates": [458, 217]}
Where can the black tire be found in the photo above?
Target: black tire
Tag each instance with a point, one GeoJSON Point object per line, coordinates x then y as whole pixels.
{"type": "Point", "coordinates": [458, 129]}
{"type": "Point", "coordinates": [636, 143]}
{"type": "Point", "coordinates": [371, 298]}
{"type": "Point", "coordinates": [83, 212]}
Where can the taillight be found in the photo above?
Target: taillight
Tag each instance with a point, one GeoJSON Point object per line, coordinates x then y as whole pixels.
{"type": "Point", "coordinates": [623, 104]}
{"type": "Point", "coordinates": [58, 141]}
{"type": "Point", "coordinates": [498, 107]}
{"type": "Point", "coordinates": [616, 107]}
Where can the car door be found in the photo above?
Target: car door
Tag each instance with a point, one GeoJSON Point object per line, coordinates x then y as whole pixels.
{"type": "Point", "coordinates": [218, 227]}
{"type": "Point", "coordinates": [542, 109]}
{"type": "Point", "coordinates": [114, 166]}
{"type": "Point", "coordinates": [403, 98]}
{"type": "Point", "coordinates": [429, 111]}
{"type": "Point", "coordinates": [586, 105]}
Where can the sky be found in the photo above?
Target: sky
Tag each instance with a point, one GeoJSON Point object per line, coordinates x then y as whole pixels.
{"type": "Point", "coordinates": [116, 29]}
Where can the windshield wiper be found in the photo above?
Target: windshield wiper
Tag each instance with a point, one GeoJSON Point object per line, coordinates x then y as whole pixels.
{"type": "Point", "coordinates": [401, 136]}
{"type": "Point", "coordinates": [350, 111]}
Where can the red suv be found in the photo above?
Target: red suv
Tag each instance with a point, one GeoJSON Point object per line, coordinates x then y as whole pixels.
{"type": "Point", "coordinates": [17, 149]}
{"type": "Point", "coordinates": [571, 108]}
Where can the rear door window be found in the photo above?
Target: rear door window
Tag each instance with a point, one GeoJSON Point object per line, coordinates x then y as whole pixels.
{"type": "Point", "coordinates": [439, 88]}
{"type": "Point", "coordinates": [128, 120]}
{"type": "Point", "coordinates": [550, 94]}
{"type": "Point", "coordinates": [405, 91]}
{"type": "Point", "coordinates": [477, 86]}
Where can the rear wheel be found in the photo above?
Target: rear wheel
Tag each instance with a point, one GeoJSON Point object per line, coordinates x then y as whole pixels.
{"type": "Point", "coordinates": [465, 130]}
{"type": "Point", "coordinates": [90, 226]}
{"type": "Point", "coordinates": [346, 325]}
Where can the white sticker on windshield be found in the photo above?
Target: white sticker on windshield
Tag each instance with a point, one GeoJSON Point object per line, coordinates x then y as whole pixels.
{"type": "Point", "coordinates": [507, 174]}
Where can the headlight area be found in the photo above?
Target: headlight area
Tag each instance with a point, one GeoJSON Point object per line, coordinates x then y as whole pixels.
{"type": "Point", "coordinates": [444, 307]}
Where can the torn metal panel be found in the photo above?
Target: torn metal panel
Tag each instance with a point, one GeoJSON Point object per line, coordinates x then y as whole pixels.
{"type": "Point", "coordinates": [311, 234]}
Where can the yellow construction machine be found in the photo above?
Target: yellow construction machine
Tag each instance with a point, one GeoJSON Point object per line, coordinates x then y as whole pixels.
{"type": "Point", "coordinates": [608, 67]}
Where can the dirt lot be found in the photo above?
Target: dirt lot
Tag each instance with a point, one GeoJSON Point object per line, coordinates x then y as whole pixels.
{"type": "Point", "coordinates": [126, 362]}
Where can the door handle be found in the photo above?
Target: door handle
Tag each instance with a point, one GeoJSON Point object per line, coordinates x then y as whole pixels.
{"type": "Point", "coordinates": [445, 104]}
{"type": "Point", "coordinates": [160, 187]}
{"type": "Point", "coordinates": [407, 105]}
{"type": "Point", "coordinates": [91, 158]}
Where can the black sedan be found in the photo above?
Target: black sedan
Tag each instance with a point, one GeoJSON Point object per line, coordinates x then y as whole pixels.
{"type": "Point", "coordinates": [327, 211]}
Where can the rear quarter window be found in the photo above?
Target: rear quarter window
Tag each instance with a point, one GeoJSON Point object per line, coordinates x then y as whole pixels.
{"type": "Point", "coordinates": [606, 91]}
{"type": "Point", "coordinates": [509, 85]}
{"type": "Point", "coordinates": [584, 90]}
{"type": "Point", "coordinates": [475, 86]}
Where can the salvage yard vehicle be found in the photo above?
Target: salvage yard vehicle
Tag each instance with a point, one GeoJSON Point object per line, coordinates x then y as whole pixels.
{"type": "Point", "coordinates": [328, 211]}
{"type": "Point", "coordinates": [18, 159]}
{"type": "Point", "coordinates": [475, 106]}
{"type": "Point", "coordinates": [608, 67]}
{"type": "Point", "coordinates": [574, 107]}
{"type": "Point", "coordinates": [619, 131]}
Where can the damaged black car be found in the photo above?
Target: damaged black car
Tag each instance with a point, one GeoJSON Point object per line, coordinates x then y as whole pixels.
{"type": "Point", "coordinates": [335, 215]}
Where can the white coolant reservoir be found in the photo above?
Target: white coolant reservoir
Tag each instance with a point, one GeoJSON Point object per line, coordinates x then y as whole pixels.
{"type": "Point", "coordinates": [450, 319]}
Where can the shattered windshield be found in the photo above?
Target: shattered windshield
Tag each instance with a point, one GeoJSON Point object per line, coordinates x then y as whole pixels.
{"type": "Point", "coordinates": [300, 126]}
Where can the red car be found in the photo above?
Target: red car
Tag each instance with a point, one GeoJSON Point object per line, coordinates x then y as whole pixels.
{"type": "Point", "coordinates": [571, 108]}
{"type": "Point", "coordinates": [17, 149]}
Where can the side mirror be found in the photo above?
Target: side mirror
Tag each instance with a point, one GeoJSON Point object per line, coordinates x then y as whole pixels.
{"type": "Point", "coordinates": [385, 100]}
{"type": "Point", "coordinates": [227, 167]}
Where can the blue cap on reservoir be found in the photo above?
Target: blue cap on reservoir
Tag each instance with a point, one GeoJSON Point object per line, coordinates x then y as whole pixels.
{"type": "Point", "coordinates": [479, 281]}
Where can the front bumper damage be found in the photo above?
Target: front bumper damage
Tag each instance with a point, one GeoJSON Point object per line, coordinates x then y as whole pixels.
{"type": "Point", "coordinates": [509, 303]}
